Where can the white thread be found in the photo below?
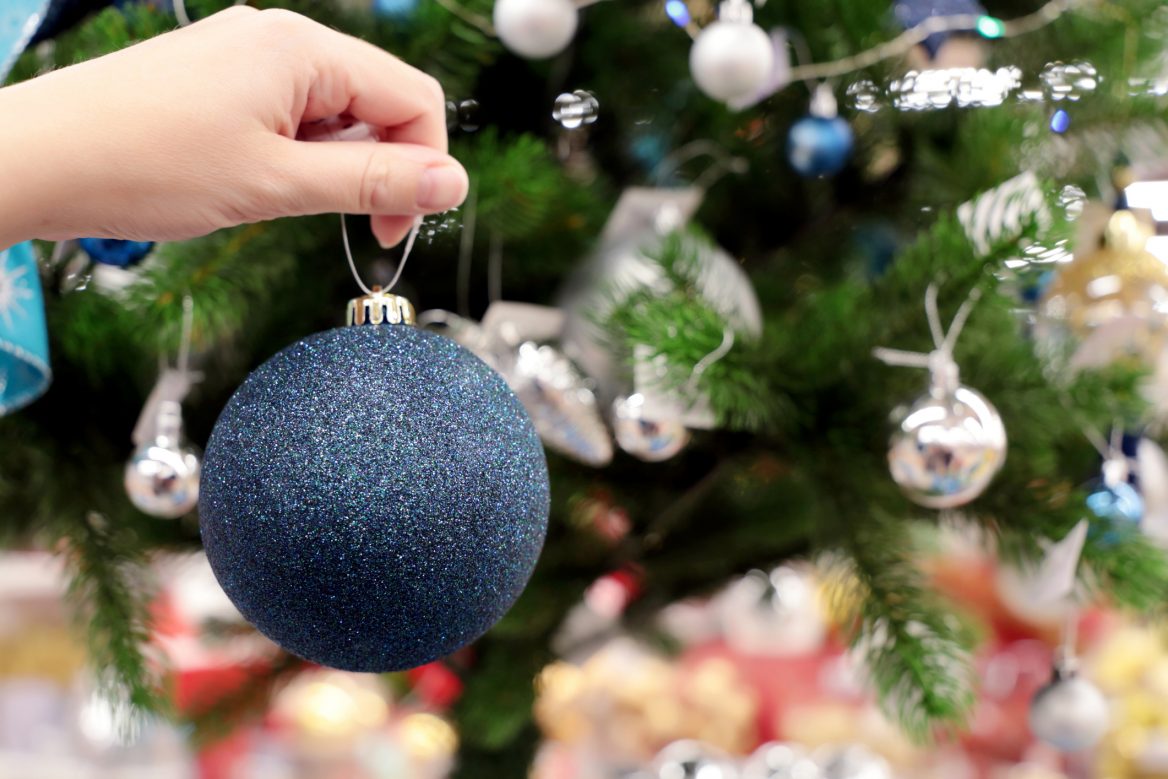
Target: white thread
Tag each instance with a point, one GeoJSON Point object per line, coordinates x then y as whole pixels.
{"type": "Point", "coordinates": [721, 351]}
{"type": "Point", "coordinates": [184, 345]}
{"type": "Point", "coordinates": [944, 342]}
{"type": "Point", "coordinates": [410, 239]}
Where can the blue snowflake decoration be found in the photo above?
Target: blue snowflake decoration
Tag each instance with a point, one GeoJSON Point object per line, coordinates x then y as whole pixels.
{"type": "Point", "coordinates": [24, 341]}
{"type": "Point", "coordinates": [19, 21]}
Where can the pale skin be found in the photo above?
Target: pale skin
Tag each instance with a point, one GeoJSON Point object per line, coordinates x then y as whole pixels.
{"type": "Point", "coordinates": [195, 130]}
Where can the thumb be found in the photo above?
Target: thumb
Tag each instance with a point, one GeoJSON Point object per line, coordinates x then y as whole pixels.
{"type": "Point", "coordinates": [368, 178]}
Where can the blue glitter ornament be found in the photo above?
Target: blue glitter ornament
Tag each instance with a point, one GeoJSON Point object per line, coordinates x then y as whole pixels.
{"type": "Point", "coordinates": [111, 251]}
{"type": "Point", "coordinates": [819, 145]}
{"type": "Point", "coordinates": [374, 497]}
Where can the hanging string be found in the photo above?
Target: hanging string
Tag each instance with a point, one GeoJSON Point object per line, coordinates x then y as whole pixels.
{"type": "Point", "coordinates": [466, 248]}
{"type": "Point", "coordinates": [184, 344]}
{"type": "Point", "coordinates": [717, 354]}
{"type": "Point", "coordinates": [411, 237]}
{"type": "Point", "coordinates": [944, 342]}
{"type": "Point", "coordinates": [723, 163]}
{"type": "Point", "coordinates": [495, 267]}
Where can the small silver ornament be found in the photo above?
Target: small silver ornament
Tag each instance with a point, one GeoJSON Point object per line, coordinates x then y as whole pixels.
{"type": "Point", "coordinates": [162, 476]}
{"type": "Point", "coordinates": [535, 29]}
{"type": "Point", "coordinates": [645, 439]}
{"type": "Point", "coordinates": [951, 442]}
{"type": "Point", "coordinates": [852, 762]}
{"type": "Point", "coordinates": [692, 760]}
{"type": "Point", "coordinates": [776, 760]}
{"type": "Point", "coordinates": [561, 405]}
{"type": "Point", "coordinates": [948, 447]}
{"type": "Point", "coordinates": [732, 58]}
{"type": "Point", "coordinates": [1069, 713]}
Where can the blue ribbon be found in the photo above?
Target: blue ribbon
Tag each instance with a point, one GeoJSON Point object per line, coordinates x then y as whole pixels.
{"type": "Point", "coordinates": [24, 341]}
{"type": "Point", "coordinates": [19, 20]}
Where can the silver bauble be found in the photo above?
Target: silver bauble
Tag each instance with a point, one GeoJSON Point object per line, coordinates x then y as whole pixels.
{"type": "Point", "coordinates": [1070, 713]}
{"type": "Point", "coordinates": [651, 441]}
{"type": "Point", "coordinates": [948, 447]}
{"type": "Point", "coordinates": [162, 476]}
{"type": "Point", "coordinates": [692, 760]}
{"type": "Point", "coordinates": [732, 58]}
{"type": "Point", "coordinates": [776, 760]}
{"type": "Point", "coordinates": [852, 762]}
{"type": "Point", "coordinates": [562, 407]}
{"type": "Point", "coordinates": [535, 29]}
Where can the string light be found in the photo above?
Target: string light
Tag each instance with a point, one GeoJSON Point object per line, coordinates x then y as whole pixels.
{"type": "Point", "coordinates": [987, 26]}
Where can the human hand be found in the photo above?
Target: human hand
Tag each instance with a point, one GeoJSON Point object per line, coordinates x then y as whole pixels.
{"type": "Point", "coordinates": [196, 130]}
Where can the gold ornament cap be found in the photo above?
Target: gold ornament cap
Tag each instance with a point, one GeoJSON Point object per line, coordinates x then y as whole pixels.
{"type": "Point", "coordinates": [379, 308]}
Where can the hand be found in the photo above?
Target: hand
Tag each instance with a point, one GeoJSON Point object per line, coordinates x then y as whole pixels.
{"type": "Point", "coordinates": [196, 130]}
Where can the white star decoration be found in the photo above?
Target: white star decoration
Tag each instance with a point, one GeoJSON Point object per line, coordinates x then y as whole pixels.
{"type": "Point", "coordinates": [13, 290]}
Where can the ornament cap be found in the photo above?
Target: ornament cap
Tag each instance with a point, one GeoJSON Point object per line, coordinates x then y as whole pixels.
{"type": "Point", "coordinates": [379, 308]}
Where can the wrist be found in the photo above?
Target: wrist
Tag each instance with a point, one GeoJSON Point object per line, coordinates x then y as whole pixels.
{"type": "Point", "coordinates": [27, 172]}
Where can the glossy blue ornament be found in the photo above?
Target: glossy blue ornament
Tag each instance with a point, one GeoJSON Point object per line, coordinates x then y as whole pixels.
{"type": "Point", "coordinates": [373, 498]}
{"type": "Point", "coordinates": [24, 340]}
{"type": "Point", "coordinates": [111, 251]}
{"type": "Point", "coordinates": [819, 145]}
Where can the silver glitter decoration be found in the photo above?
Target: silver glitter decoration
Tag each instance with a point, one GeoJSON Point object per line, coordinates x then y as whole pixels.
{"type": "Point", "coordinates": [373, 498]}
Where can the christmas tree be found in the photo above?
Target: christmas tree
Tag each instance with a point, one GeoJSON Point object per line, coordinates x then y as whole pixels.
{"type": "Point", "coordinates": [963, 145]}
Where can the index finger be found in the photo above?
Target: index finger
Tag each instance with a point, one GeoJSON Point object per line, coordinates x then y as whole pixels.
{"type": "Point", "coordinates": [359, 79]}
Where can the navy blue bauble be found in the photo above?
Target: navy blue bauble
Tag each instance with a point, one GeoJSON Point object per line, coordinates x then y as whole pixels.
{"type": "Point", "coordinates": [373, 498]}
{"type": "Point", "coordinates": [819, 146]}
{"type": "Point", "coordinates": [111, 251]}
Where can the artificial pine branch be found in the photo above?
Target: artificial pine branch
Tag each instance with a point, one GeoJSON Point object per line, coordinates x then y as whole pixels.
{"type": "Point", "coordinates": [110, 595]}
{"type": "Point", "coordinates": [916, 652]}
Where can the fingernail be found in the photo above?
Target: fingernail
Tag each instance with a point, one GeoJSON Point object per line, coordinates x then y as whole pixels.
{"type": "Point", "coordinates": [441, 187]}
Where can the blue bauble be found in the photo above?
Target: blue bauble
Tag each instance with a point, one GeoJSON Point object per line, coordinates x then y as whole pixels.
{"type": "Point", "coordinates": [111, 251]}
{"type": "Point", "coordinates": [373, 498]}
{"type": "Point", "coordinates": [819, 146]}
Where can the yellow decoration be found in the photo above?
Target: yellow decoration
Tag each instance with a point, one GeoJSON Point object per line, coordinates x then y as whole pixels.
{"type": "Point", "coordinates": [333, 706]}
{"type": "Point", "coordinates": [1119, 293]}
{"type": "Point", "coordinates": [627, 703]}
{"type": "Point", "coordinates": [427, 738]}
{"type": "Point", "coordinates": [44, 651]}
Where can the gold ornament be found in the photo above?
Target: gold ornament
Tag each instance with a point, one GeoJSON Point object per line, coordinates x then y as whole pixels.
{"type": "Point", "coordinates": [1111, 302]}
